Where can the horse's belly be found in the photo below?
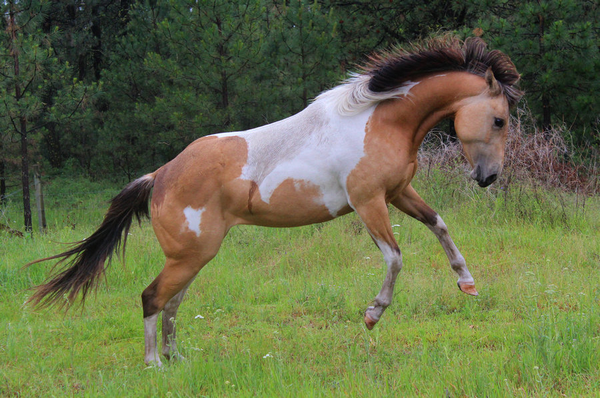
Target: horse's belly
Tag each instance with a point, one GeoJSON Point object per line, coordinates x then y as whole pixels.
{"type": "Point", "coordinates": [292, 202]}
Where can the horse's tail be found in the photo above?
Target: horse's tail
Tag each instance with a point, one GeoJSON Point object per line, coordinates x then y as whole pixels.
{"type": "Point", "coordinates": [87, 261]}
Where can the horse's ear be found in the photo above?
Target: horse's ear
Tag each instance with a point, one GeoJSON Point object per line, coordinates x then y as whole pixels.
{"type": "Point", "coordinates": [492, 83]}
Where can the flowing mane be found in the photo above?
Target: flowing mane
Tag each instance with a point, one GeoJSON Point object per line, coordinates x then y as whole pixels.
{"type": "Point", "coordinates": [390, 74]}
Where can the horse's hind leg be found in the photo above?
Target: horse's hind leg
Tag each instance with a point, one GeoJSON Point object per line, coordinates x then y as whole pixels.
{"type": "Point", "coordinates": [411, 203]}
{"type": "Point", "coordinates": [169, 345]}
{"type": "Point", "coordinates": [162, 294]}
{"type": "Point", "coordinates": [167, 290]}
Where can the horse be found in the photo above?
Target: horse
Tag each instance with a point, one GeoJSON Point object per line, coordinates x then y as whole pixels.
{"type": "Point", "coordinates": [353, 149]}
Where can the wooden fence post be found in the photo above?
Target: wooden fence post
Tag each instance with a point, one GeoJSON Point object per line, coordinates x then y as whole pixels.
{"type": "Point", "coordinates": [39, 198]}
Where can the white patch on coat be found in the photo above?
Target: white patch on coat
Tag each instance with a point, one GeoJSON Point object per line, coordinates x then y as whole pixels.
{"type": "Point", "coordinates": [320, 145]}
{"type": "Point", "coordinates": [193, 218]}
{"type": "Point", "coordinates": [317, 146]}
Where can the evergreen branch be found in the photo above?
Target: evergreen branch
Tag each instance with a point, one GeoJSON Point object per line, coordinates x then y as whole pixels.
{"type": "Point", "coordinates": [12, 120]}
{"type": "Point", "coordinates": [29, 83]}
{"type": "Point", "coordinates": [79, 103]}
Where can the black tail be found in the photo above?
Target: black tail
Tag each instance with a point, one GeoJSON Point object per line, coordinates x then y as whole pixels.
{"type": "Point", "coordinates": [87, 261]}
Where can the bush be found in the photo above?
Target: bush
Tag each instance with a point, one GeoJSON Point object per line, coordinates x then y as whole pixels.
{"type": "Point", "coordinates": [541, 179]}
{"type": "Point", "coordinates": [534, 157]}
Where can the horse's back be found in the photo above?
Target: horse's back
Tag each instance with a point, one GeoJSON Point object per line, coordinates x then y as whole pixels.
{"type": "Point", "coordinates": [289, 173]}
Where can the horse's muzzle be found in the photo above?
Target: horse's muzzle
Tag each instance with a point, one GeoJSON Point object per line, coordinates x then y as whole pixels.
{"type": "Point", "coordinates": [483, 180]}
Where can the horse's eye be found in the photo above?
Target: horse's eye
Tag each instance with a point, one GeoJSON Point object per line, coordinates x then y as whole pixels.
{"type": "Point", "coordinates": [499, 123]}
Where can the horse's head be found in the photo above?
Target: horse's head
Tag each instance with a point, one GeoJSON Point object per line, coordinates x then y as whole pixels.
{"type": "Point", "coordinates": [481, 124]}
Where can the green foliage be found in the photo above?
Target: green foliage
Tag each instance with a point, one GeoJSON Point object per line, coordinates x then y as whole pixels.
{"type": "Point", "coordinates": [32, 75]}
{"type": "Point", "coordinates": [122, 87]}
{"type": "Point", "coordinates": [191, 76]}
{"type": "Point", "coordinates": [26, 58]}
{"type": "Point", "coordinates": [305, 48]}
{"type": "Point", "coordinates": [555, 44]}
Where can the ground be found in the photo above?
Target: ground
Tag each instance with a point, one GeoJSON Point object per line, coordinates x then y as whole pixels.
{"type": "Point", "coordinates": [279, 311]}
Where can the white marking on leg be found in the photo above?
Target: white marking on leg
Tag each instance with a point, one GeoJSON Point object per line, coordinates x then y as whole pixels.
{"type": "Point", "coordinates": [393, 259]}
{"type": "Point", "coordinates": [457, 261]}
{"type": "Point", "coordinates": [390, 255]}
{"type": "Point", "coordinates": [169, 341]}
{"type": "Point", "coordinates": [193, 218]}
{"type": "Point", "coordinates": [150, 340]}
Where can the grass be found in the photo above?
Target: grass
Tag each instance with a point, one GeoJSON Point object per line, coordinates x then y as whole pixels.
{"type": "Point", "coordinates": [282, 308]}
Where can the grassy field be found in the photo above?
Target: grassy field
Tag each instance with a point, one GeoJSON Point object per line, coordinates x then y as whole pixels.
{"type": "Point", "coordinates": [281, 309]}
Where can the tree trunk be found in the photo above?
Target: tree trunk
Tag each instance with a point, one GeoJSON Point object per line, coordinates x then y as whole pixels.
{"type": "Point", "coordinates": [97, 47]}
{"type": "Point", "coordinates": [303, 66]}
{"type": "Point", "coordinates": [22, 125]}
{"type": "Point", "coordinates": [53, 144]}
{"type": "Point", "coordinates": [546, 107]}
{"type": "Point", "coordinates": [224, 75]}
{"type": "Point", "coordinates": [52, 137]}
{"type": "Point", "coordinates": [2, 176]}
{"type": "Point", "coordinates": [2, 183]}
{"type": "Point", "coordinates": [25, 176]}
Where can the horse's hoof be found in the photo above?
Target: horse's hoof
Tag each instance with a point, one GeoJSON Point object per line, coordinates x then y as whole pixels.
{"type": "Point", "coordinates": [154, 364]}
{"type": "Point", "coordinates": [369, 322]}
{"type": "Point", "coordinates": [468, 288]}
{"type": "Point", "coordinates": [175, 357]}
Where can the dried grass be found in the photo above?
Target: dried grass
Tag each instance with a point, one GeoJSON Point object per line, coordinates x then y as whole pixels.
{"type": "Point", "coordinates": [534, 157]}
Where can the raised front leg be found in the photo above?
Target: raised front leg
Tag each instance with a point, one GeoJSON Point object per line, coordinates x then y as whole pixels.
{"type": "Point", "coordinates": [375, 216]}
{"type": "Point", "coordinates": [411, 203]}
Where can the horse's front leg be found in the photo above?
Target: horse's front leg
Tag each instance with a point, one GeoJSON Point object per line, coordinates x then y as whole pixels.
{"type": "Point", "coordinates": [375, 216]}
{"type": "Point", "coordinates": [411, 203]}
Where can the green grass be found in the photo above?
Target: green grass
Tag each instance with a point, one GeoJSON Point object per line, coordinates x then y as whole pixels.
{"type": "Point", "coordinates": [283, 308]}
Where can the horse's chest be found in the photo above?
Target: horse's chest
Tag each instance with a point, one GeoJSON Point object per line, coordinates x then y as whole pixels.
{"type": "Point", "coordinates": [311, 173]}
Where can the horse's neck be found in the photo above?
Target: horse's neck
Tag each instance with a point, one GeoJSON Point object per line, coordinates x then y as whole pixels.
{"type": "Point", "coordinates": [433, 99]}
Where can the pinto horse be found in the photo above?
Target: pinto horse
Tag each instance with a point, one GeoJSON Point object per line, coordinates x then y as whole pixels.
{"type": "Point", "coordinates": [353, 149]}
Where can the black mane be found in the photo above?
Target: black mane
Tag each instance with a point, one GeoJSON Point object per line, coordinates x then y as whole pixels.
{"type": "Point", "coordinates": [390, 69]}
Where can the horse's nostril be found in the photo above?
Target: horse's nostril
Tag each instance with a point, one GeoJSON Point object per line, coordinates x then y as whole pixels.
{"type": "Point", "coordinates": [490, 179]}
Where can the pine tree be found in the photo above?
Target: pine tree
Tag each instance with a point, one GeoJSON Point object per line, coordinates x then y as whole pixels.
{"type": "Point", "coordinates": [555, 45]}
{"type": "Point", "coordinates": [306, 46]}
{"type": "Point", "coordinates": [23, 56]}
{"type": "Point", "coordinates": [183, 70]}
{"type": "Point", "coordinates": [29, 66]}
{"type": "Point", "coordinates": [83, 36]}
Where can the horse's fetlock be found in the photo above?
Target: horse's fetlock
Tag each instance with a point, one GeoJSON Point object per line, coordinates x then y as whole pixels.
{"type": "Point", "coordinates": [383, 302]}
